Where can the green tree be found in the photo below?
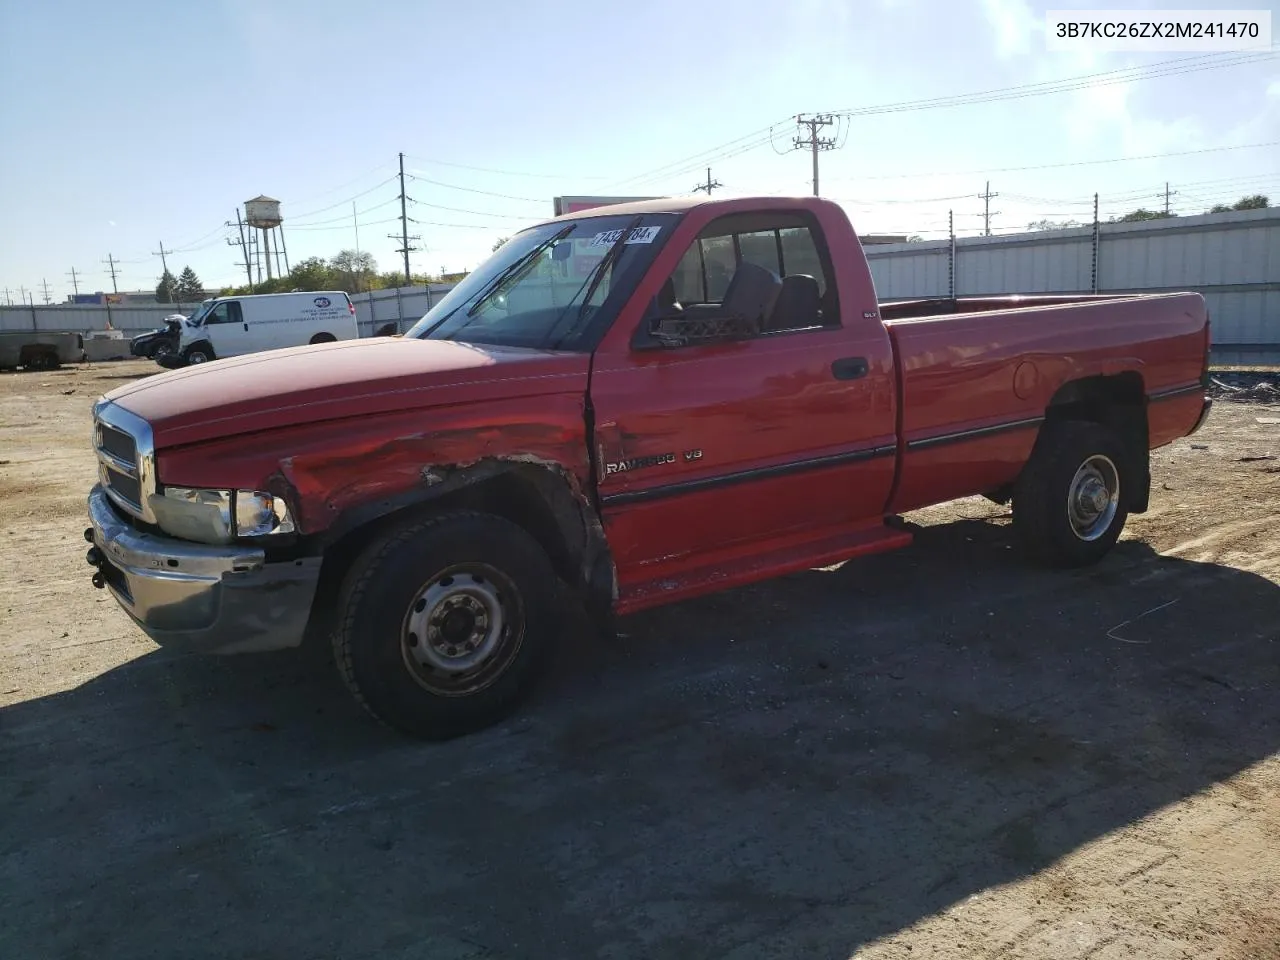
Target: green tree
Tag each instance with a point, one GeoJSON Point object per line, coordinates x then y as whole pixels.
{"type": "Point", "coordinates": [353, 270]}
{"type": "Point", "coordinates": [499, 242]}
{"type": "Point", "coordinates": [1256, 202]}
{"type": "Point", "coordinates": [313, 273]}
{"type": "Point", "coordinates": [165, 287]}
{"type": "Point", "coordinates": [189, 289]}
{"type": "Point", "coordinates": [1036, 225]}
{"type": "Point", "coordinates": [1142, 213]}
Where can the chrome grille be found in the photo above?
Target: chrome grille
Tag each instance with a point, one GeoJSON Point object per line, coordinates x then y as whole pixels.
{"type": "Point", "coordinates": [126, 458]}
{"type": "Point", "coordinates": [117, 443]}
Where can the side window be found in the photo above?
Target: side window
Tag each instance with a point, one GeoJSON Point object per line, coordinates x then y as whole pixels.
{"type": "Point", "coordinates": [233, 313]}
{"type": "Point", "coordinates": [788, 245]}
{"type": "Point", "coordinates": [220, 314]}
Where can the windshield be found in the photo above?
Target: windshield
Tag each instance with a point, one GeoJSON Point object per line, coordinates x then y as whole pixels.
{"type": "Point", "coordinates": [533, 292]}
{"type": "Point", "coordinates": [201, 310]}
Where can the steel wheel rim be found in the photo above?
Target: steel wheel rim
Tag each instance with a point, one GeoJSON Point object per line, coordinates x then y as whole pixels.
{"type": "Point", "coordinates": [1093, 499]}
{"type": "Point", "coordinates": [197, 357]}
{"type": "Point", "coordinates": [462, 629]}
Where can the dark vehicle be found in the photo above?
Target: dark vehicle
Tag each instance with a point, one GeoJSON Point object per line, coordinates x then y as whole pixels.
{"type": "Point", "coordinates": [160, 342]}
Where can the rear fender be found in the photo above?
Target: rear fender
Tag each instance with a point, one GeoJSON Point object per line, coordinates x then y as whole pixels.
{"type": "Point", "coordinates": [1117, 401]}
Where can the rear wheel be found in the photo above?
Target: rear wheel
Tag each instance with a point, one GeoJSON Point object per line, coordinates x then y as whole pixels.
{"type": "Point", "coordinates": [1068, 505]}
{"type": "Point", "coordinates": [445, 624]}
{"type": "Point", "coordinates": [198, 353]}
{"type": "Point", "coordinates": [324, 338]}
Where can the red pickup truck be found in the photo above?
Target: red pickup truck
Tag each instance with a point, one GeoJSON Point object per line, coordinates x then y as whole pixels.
{"type": "Point", "coordinates": [645, 402]}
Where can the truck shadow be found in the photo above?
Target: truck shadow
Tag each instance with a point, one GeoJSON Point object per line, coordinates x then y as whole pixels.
{"type": "Point", "coordinates": [793, 769]}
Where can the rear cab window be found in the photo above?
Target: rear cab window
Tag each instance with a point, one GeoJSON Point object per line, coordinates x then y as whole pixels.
{"type": "Point", "coordinates": [789, 245]}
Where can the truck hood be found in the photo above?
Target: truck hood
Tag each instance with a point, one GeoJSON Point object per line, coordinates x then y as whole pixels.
{"type": "Point", "coordinates": [329, 381]}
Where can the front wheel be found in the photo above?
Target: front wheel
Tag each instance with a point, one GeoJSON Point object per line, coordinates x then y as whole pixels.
{"type": "Point", "coordinates": [1068, 505]}
{"type": "Point", "coordinates": [198, 353]}
{"type": "Point", "coordinates": [445, 624]}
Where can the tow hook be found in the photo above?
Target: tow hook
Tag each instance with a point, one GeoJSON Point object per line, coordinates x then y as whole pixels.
{"type": "Point", "coordinates": [95, 559]}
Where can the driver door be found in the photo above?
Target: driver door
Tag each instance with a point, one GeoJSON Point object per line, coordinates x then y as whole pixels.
{"type": "Point", "coordinates": [712, 453]}
{"type": "Point", "coordinates": [227, 330]}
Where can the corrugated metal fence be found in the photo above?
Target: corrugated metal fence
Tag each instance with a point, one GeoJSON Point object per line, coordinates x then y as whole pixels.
{"type": "Point", "coordinates": [402, 307]}
{"type": "Point", "coordinates": [1232, 258]}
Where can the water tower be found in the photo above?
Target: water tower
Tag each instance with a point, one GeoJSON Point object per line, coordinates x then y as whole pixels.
{"type": "Point", "coordinates": [263, 214]}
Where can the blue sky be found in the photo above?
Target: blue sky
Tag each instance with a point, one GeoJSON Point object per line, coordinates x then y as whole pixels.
{"type": "Point", "coordinates": [137, 122]}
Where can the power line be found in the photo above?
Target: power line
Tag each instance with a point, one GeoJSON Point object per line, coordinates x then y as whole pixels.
{"type": "Point", "coordinates": [1070, 163]}
{"type": "Point", "coordinates": [343, 218]}
{"type": "Point", "coordinates": [503, 173]}
{"type": "Point", "coordinates": [759, 138]}
{"type": "Point", "coordinates": [1105, 78]}
{"type": "Point", "coordinates": [475, 213]}
{"type": "Point", "coordinates": [417, 175]}
{"type": "Point", "coordinates": [709, 185]}
{"type": "Point", "coordinates": [756, 137]}
{"type": "Point", "coordinates": [343, 203]}
{"type": "Point", "coordinates": [342, 186]}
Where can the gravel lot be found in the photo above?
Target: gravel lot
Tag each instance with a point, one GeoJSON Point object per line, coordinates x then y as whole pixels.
{"type": "Point", "coordinates": [935, 753]}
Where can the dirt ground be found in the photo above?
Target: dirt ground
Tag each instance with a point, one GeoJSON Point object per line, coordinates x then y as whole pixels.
{"type": "Point", "coordinates": [935, 753]}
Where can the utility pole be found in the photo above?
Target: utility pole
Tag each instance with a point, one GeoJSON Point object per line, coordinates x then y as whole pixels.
{"type": "Point", "coordinates": [1166, 197]}
{"type": "Point", "coordinates": [951, 257]}
{"type": "Point", "coordinates": [163, 262]}
{"type": "Point", "coordinates": [813, 142]}
{"type": "Point", "coordinates": [111, 263]}
{"type": "Point", "coordinates": [244, 249]}
{"type": "Point", "coordinates": [355, 267]}
{"type": "Point", "coordinates": [8, 301]}
{"type": "Point", "coordinates": [986, 211]}
{"type": "Point", "coordinates": [45, 284]}
{"type": "Point", "coordinates": [404, 237]}
{"type": "Point", "coordinates": [709, 185]}
{"type": "Point", "coordinates": [75, 283]}
{"type": "Point", "coordinates": [1097, 243]}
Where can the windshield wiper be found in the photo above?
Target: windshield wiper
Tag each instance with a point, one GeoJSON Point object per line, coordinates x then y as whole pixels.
{"type": "Point", "coordinates": [597, 277]}
{"type": "Point", "coordinates": [516, 267]}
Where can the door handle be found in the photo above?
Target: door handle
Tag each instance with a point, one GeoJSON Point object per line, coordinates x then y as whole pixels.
{"type": "Point", "coordinates": [246, 328]}
{"type": "Point", "coordinates": [849, 368]}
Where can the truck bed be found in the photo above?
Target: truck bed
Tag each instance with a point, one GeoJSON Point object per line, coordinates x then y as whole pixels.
{"type": "Point", "coordinates": [975, 378]}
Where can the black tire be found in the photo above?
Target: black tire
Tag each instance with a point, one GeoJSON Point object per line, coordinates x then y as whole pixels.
{"type": "Point", "coordinates": [324, 338]}
{"type": "Point", "coordinates": [1042, 503]}
{"type": "Point", "coordinates": [198, 353]}
{"type": "Point", "coordinates": [399, 588]}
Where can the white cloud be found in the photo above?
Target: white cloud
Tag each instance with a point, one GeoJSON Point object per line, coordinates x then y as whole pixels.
{"type": "Point", "coordinates": [1103, 117]}
{"type": "Point", "coordinates": [1015, 24]}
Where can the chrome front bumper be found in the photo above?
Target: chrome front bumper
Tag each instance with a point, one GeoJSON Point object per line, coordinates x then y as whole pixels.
{"type": "Point", "coordinates": [198, 598]}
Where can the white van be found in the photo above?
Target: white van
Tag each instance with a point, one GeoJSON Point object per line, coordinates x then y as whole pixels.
{"type": "Point", "coordinates": [231, 326]}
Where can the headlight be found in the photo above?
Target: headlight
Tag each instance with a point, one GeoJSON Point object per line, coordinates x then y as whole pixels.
{"type": "Point", "coordinates": [219, 516]}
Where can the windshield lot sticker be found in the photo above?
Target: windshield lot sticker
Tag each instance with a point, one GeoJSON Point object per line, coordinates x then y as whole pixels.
{"type": "Point", "coordinates": [638, 235]}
